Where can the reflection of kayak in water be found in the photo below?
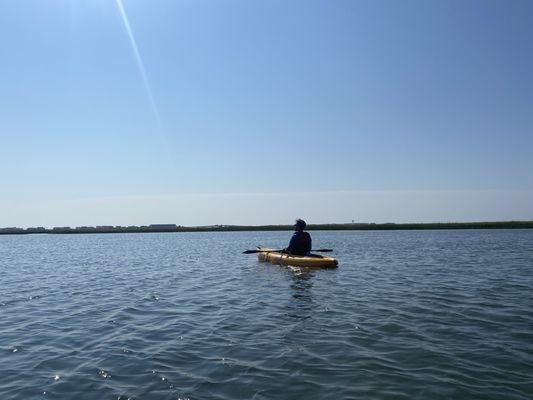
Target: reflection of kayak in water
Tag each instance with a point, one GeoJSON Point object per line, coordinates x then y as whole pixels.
{"type": "Point", "coordinates": [311, 261]}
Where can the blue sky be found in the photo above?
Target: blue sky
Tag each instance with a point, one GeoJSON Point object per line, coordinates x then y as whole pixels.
{"type": "Point", "coordinates": [343, 101]}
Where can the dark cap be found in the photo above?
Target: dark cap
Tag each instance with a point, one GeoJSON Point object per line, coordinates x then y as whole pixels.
{"type": "Point", "coordinates": [300, 223]}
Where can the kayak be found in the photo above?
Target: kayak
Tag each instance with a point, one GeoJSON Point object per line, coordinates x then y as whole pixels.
{"type": "Point", "coordinates": [311, 261]}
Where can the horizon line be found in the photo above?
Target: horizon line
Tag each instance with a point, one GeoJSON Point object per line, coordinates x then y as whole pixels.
{"type": "Point", "coordinates": [311, 225]}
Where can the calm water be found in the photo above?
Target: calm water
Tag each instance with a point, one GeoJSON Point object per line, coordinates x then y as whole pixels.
{"type": "Point", "coordinates": [407, 315]}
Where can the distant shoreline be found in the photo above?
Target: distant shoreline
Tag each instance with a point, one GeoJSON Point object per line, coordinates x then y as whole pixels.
{"type": "Point", "coordinates": [245, 228]}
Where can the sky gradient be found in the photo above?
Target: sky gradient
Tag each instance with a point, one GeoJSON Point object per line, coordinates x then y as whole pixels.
{"type": "Point", "coordinates": [221, 112]}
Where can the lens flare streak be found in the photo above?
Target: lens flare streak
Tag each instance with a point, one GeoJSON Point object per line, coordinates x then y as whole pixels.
{"type": "Point", "coordinates": [140, 64]}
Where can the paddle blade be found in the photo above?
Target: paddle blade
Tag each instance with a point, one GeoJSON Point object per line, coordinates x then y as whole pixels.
{"type": "Point", "coordinates": [261, 251]}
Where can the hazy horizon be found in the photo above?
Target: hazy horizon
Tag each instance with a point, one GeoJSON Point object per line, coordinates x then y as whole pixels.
{"type": "Point", "coordinates": [217, 209]}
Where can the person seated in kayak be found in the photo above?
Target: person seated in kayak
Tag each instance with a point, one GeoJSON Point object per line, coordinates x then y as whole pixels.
{"type": "Point", "coordinates": [300, 244]}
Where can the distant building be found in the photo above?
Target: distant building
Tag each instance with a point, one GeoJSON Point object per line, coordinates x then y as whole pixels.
{"type": "Point", "coordinates": [163, 227]}
{"type": "Point", "coordinates": [61, 229]}
{"type": "Point", "coordinates": [39, 229]}
{"type": "Point", "coordinates": [11, 230]}
{"type": "Point", "coordinates": [85, 228]}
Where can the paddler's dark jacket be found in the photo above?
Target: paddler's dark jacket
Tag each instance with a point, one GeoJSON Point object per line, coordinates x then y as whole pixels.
{"type": "Point", "coordinates": [300, 244]}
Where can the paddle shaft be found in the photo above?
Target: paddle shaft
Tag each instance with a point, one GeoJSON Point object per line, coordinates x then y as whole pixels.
{"type": "Point", "coordinates": [281, 251]}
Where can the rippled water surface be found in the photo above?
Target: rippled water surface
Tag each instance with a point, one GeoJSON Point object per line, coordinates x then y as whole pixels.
{"type": "Point", "coordinates": [407, 315]}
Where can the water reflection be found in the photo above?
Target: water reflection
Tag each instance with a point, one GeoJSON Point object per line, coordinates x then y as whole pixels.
{"type": "Point", "coordinates": [302, 283]}
{"type": "Point", "coordinates": [301, 305]}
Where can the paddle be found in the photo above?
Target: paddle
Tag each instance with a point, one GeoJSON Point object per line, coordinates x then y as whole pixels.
{"type": "Point", "coordinates": [279, 251]}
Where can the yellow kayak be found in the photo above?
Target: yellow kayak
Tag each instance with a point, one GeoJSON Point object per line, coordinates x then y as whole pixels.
{"type": "Point", "coordinates": [314, 261]}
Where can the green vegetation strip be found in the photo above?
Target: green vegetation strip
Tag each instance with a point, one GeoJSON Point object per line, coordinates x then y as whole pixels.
{"type": "Point", "coordinates": [233, 228]}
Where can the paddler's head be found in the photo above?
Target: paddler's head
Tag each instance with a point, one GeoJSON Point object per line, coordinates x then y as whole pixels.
{"type": "Point", "coordinates": [299, 225]}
